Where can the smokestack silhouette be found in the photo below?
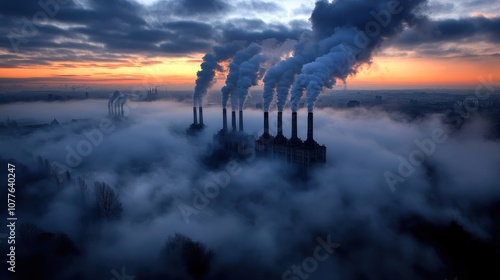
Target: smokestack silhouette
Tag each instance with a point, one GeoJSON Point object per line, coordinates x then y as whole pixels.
{"type": "Point", "coordinates": [241, 120]}
{"type": "Point", "coordinates": [310, 127]}
{"type": "Point", "coordinates": [266, 123]}
{"type": "Point", "coordinates": [201, 116]}
{"type": "Point", "coordinates": [195, 117]}
{"type": "Point", "coordinates": [233, 120]}
{"type": "Point", "coordinates": [294, 125]}
{"type": "Point", "coordinates": [224, 119]}
{"type": "Point", "coordinates": [280, 123]}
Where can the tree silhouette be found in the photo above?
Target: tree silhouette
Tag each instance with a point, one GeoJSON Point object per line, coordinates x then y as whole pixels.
{"type": "Point", "coordinates": [28, 234]}
{"type": "Point", "coordinates": [108, 205]}
{"type": "Point", "coordinates": [83, 190]}
{"type": "Point", "coordinates": [183, 253]}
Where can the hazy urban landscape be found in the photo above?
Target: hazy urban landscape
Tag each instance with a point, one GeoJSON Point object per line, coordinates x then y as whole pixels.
{"type": "Point", "coordinates": [208, 139]}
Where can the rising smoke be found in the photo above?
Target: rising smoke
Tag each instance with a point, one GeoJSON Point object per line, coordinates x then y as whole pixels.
{"type": "Point", "coordinates": [210, 65]}
{"type": "Point", "coordinates": [346, 34]}
{"type": "Point", "coordinates": [233, 75]}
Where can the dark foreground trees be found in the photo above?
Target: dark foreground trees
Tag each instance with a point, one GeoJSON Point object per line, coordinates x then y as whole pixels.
{"type": "Point", "coordinates": [108, 206]}
{"type": "Point", "coordinates": [187, 256]}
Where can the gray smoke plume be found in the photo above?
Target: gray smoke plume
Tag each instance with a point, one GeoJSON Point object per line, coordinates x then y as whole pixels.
{"type": "Point", "coordinates": [249, 74]}
{"type": "Point", "coordinates": [379, 20]}
{"type": "Point", "coordinates": [280, 77]}
{"type": "Point", "coordinates": [210, 65]}
{"type": "Point", "coordinates": [234, 66]}
{"type": "Point", "coordinates": [116, 94]}
{"type": "Point", "coordinates": [317, 75]}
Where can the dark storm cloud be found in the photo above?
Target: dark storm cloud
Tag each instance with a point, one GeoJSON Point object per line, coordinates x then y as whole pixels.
{"type": "Point", "coordinates": [476, 3]}
{"type": "Point", "coordinates": [194, 7]}
{"type": "Point", "coordinates": [427, 37]}
{"type": "Point", "coordinates": [326, 16]}
{"type": "Point", "coordinates": [452, 30]}
{"type": "Point", "coordinates": [102, 28]}
{"type": "Point", "coordinates": [256, 30]}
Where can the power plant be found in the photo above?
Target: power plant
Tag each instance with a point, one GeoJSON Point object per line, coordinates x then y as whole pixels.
{"type": "Point", "coordinates": [115, 104]}
{"type": "Point", "coordinates": [232, 142]}
{"type": "Point", "coordinates": [197, 124]}
{"type": "Point", "coordinates": [295, 152]}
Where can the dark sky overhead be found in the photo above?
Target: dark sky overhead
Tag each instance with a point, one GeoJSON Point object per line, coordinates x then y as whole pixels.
{"type": "Point", "coordinates": [117, 36]}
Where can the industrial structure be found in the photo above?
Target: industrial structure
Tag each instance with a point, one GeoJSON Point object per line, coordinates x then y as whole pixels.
{"type": "Point", "coordinates": [293, 151]}
{"type": "Point", "coordinates": [115, 104]}
{"type": "Point", "coordinates": [197, 124]}
{"type": "Point", "coordinates": [234, 142]}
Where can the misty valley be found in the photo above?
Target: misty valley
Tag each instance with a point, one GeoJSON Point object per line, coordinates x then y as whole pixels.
{"type": "Point", "coordinates": [145, 199]}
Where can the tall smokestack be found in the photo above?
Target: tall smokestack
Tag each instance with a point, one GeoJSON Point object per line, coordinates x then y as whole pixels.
{"type": "Point", "coordinates": [294, 125]}
{"type": "Point", "coordinates": [266, 123]}
{"type": "Point", "coordinates": [233, 120]}
{"type": "Point", "coordinates": [310, 127]}
{"type": "Point", "coordinates": [241, 120]}
{"type": "Point", "coordinates": [280, 123]}
{"type": "Point", "coordinates": [224, 119]}
{"type": "Point", "coordinates": [195, 117]}
{"type": "Point", "coordinates": [201, 115]}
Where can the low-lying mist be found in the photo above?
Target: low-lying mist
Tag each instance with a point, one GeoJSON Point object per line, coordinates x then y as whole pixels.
{"type": "Point", "coordinates": [388, 209]}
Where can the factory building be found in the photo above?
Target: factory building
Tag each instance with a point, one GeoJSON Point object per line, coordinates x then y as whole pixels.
{"type": "Point", "coordinates": [295, 152]}
{"type": "Point", "coordinates": [233, 142]}
{"type": "Point", "coordinates": [197, 125]}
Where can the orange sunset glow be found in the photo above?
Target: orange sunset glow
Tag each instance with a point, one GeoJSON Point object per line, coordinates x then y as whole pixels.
{"type": "Point", "coordinates": [180, 73]}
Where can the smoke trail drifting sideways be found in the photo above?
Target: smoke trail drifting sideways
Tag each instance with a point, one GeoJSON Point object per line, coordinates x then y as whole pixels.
{"type": "Point", "coordinates": [272, 76]}
{"type": "Point", "coordinates": [209, 66]}
{"type": "Point", "coordinates": [234, 66]}
{"type": "Point", "coordinates": [280, 77]}
{"type": "Point", "coordinates": [248, 76]}
{"type": "Point", "coordinates": [315, 76]}
{"type": "Point", "coordinates": [380, 19]}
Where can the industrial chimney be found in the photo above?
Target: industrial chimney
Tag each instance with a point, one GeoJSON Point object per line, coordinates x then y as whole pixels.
{"type": "Point", "coordinates": [241, 120]}
{"type": "Point", "coordinates": [294, 125]}
{"type": "Point", "coordinates": [294, 140]}
{"type": "Point", "coordinates": [280, 123]}
{"type": "Point", "coordinates": [201, 116]}
{"type": "Point", "coordinates": [233, 120]}
{"type": "Point", "coordinates": [266, 124]}
{"type": "Point", "coordinates": [310, 127]}
{"type": "Point", "coordinates": [280, 139]}
{"type": "Point", "coordinates": [195, 117]}
{"type": "Point", "coordinates": [224, 119]}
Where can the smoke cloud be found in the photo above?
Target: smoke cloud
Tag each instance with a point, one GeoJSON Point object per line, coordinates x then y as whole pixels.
{"type": "Point", "coordinates": [250, 73]}
{"type": "Point", "coordinates": [268, 224]}
{"type": "Point", "coordinates": [209, 67]}
{"type": "Point", "coordinates": [372, 23]}
{"type": "Point", "coordinates": [233, 75]}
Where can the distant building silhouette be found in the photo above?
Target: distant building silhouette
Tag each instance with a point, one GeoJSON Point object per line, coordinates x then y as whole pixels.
{"type": "Point", "coordinates": [353, 103]}
{"type": "Point", "coordinates": [54, 122]}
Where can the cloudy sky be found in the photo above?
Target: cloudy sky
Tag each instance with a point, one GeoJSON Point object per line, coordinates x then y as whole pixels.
{"type": "Point", "coordinates": [135, 42]}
